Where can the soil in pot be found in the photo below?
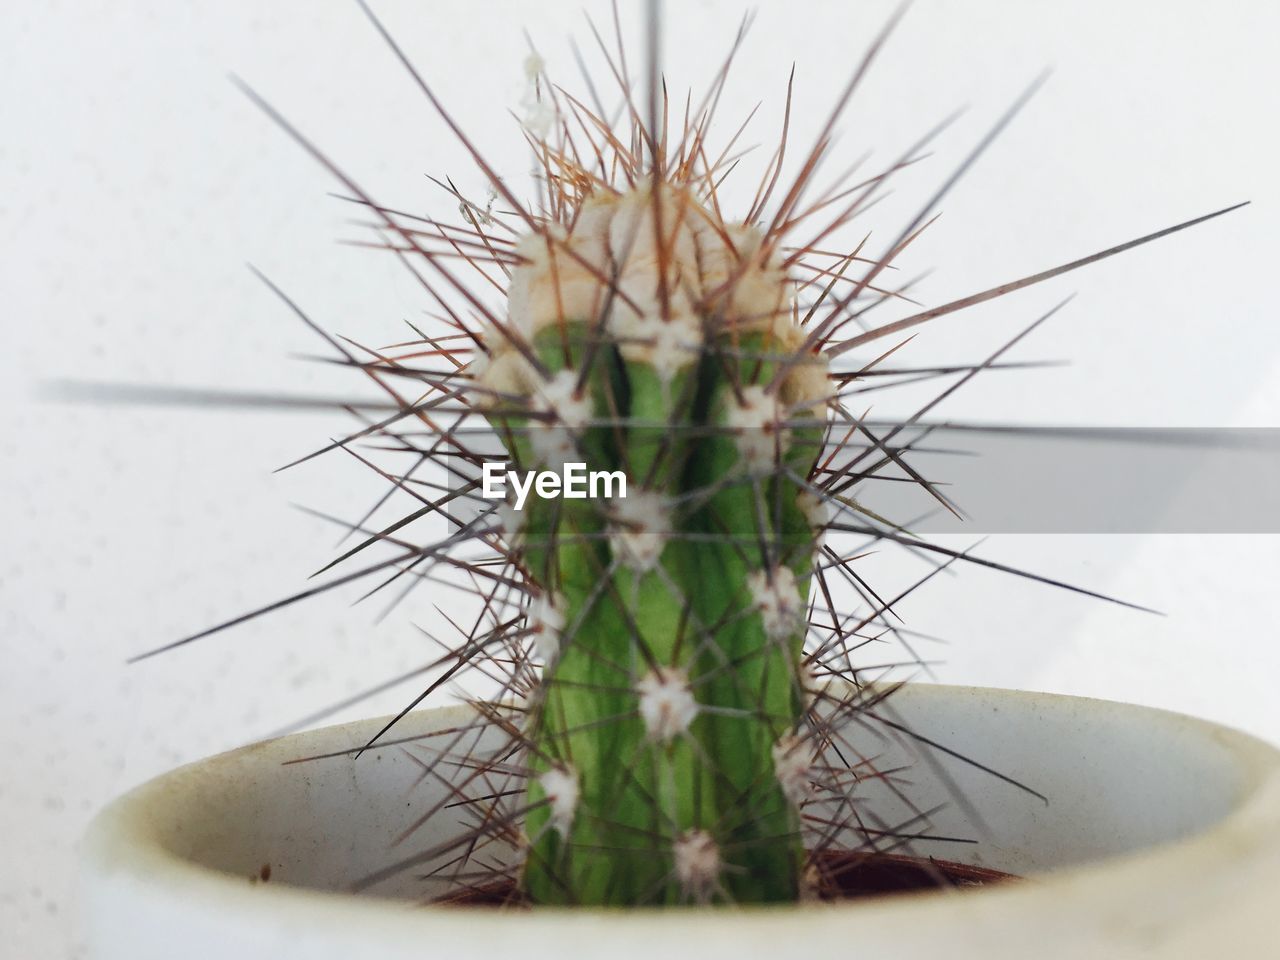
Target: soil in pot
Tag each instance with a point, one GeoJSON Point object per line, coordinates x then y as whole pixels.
{"type": "Point", "coordinates": [842, 876]}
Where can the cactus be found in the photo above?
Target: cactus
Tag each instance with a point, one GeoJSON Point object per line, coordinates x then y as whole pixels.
{"type": "Point", "coordinates": [676, 687]}
{"type": "Point", "coordinates": [652, 338]}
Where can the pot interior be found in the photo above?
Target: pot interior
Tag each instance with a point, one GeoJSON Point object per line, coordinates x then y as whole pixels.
{"type": "Point", "coordinates": [1113, 779]}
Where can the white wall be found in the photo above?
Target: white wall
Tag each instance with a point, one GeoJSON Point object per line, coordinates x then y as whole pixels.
{"type": "Point", "coordinates": [136, 182]}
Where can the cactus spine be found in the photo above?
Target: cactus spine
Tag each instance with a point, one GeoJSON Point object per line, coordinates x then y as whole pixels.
{"type": "Point", "coordinates": [655, 339]}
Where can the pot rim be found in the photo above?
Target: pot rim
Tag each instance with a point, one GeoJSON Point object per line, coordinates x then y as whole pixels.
{"type": "Point", "coordinates": [123, 841]}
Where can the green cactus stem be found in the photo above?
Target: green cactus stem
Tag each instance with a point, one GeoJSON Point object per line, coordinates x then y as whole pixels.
{"type": "Point", "coordinates": [664, 763]}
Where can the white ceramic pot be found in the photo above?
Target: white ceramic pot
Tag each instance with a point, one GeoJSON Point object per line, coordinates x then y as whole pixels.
{"type": "Point", "coordinates": [1161, 838]}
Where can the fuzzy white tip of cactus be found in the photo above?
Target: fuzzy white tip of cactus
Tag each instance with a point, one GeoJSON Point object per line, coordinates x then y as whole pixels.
{"type": "Point", "coordinates": [810, 685]}
{"type": "Point", "coordinates": [756, 422]}
{"type": "Point", "coordinates": [477, 367]}
{"type": "Point", "coordinates": [546, 620]}
{"type": "Point", "coordinates": [703, 265]}
{"type": "Point", "coordinates": [792, 765]}
{"type": "Point", "coordinates": [640, 529]}
{"type": "Point", "coordinates": [667, 345]}
{"type": "Point", "coordinates": [533, 67]}
{"type": "Point", "coordinates": [554, 440]}
{"type": "Point", "coordinates": [697, 864]}
{"type": "Point", "coordinates": [557, 395]}
{"type": "Point", "coordinates": [539, 119]}
{"type": "Point", "coordinates": [539, 115]}
{"type": "Point", "coordinates": [553, 446]}
{"type": "Point", "coordinates": [560, 784]}
{"type": "Point", "coordinates": [779, 601]}
{"type": "Point", "coordinates": [815, 509]}
{"type": "Point", "coordinates": [666, 703]}
{"type": "Point", "coordinates": [807, 387]}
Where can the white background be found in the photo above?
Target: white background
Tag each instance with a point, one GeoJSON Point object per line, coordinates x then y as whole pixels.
{"type": "Point", "coordinates": [137, 181]}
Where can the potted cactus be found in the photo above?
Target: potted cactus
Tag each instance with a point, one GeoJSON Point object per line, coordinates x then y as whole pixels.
{"type": "Point", "coordinates": [652, 479]}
